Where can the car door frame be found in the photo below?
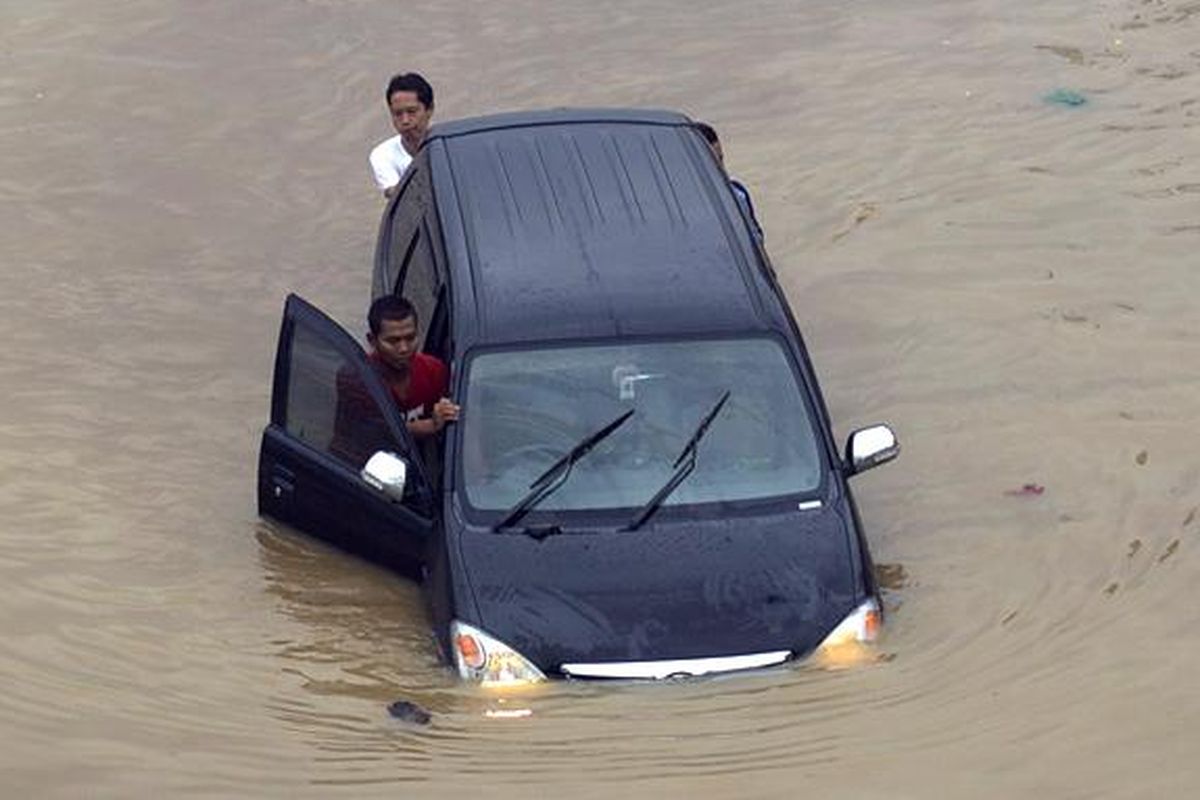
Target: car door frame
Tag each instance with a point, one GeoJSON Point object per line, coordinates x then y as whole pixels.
{"type": "Point", "coordinates": [316, 492]}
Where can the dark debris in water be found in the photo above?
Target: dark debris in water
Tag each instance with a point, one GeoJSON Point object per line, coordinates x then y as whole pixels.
{"type": "Point", "coordinates": [1028, 490]}
{"type": "Point", "coordinates": [891, 576]}
{"type": "Point", "coordinates": [1170, 551]}
{"type": "Point", "coordinates": [1072, 54]}
{"type": "Point", "coordinates": [409, 712]}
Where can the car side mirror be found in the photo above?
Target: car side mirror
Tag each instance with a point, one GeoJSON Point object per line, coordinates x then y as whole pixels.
{"type": "Point", "coordinates": [870, 447]}
{"type": "Point", "coordinates": [386, 472]}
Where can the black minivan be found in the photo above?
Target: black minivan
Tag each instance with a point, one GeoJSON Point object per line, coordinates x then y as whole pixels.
{"type": "Point", "coordinates": [644, 481]}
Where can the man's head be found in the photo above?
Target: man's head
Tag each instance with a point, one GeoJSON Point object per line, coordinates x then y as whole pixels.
{"type": "Point", "coordinates": [393, 334]}
{"type": "Point", "coordinates": [710, 135]}
{"type": "Point", "coordinates": [409, 99]}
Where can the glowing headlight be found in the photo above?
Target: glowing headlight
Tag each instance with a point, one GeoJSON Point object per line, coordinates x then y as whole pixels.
{"type": "Point", "coordinates": [489, 661]}
{"type": "Point", "coordinates": [844, 644]}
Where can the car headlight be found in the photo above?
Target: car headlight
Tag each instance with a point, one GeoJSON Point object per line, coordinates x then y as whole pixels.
{"type": "Point", "coordinates": [844, 645]}
{"type": "Point", "coordinates": [487, 660]}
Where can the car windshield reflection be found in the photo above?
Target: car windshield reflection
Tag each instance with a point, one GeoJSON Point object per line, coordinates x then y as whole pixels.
{"type": "Point", "coordinates": [526, 408]}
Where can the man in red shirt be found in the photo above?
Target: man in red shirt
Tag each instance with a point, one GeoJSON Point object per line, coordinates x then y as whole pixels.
{"type": "Point", "coordinates": [418, 381]}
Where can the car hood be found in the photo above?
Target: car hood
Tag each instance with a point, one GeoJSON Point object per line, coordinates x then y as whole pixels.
{"type": "Point", "coordinates": [671, 590]}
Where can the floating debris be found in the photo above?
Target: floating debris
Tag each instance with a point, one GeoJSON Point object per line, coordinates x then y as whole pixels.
{"type": "Point", "coordinates": [1072, 54]}
{"type": "Point", "coordinates": [861, 213]}
{"type": "Point", "coordinates": [1170, 551]}
{"type": "Point", "coordinates": [1068, 98]}
{"type": "Point", "coordinates": [891, 576]}
{"type": "Point", "coordinates": [409, 712]}
{"type": "Point", "coordinates": [1028, 490]}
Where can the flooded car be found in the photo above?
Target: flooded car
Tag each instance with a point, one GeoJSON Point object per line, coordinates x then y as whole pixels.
{"type": "Point", "coordinates": [643, 482]}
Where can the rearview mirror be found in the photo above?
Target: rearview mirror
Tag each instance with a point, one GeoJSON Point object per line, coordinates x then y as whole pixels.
{"type": "Point", "coordinates": [870, 447]}
{"type": "Point", "coordinates": [387, 472]}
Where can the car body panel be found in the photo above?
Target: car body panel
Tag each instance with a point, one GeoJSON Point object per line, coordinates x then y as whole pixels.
{"type": "Point", "coordinates": [623, 213]}
{"type": "Point", "coordinates": [615, 209]}
{"type": "Point", "coordinates": [674, 589]}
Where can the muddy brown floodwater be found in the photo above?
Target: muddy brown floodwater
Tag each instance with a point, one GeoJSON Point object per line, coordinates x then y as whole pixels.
{"type": "Point", "coordinates": [1013, 284]}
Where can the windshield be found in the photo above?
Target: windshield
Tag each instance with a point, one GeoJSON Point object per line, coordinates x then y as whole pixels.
{"type": "Point", "coordinates": [524, 410]}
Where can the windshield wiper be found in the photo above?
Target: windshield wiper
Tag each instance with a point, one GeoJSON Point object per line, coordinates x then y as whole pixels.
{"type": "Point", "coordinates": [683, 466]}
{"type": "Point", "coordinates": [548, 482]}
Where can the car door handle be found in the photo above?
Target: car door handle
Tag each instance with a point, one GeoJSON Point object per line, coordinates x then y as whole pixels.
{"type": "Point", "coordinates": [283, 482]}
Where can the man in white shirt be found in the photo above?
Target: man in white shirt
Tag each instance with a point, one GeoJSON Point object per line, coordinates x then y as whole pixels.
{"type": "Point", "coordinates": [409, 99]}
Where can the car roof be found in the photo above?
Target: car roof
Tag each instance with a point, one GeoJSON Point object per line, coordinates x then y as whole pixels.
{"type": "Point", "coordinates": [591, 223]}
{"type": "Point", "coordinates": [554, 116]}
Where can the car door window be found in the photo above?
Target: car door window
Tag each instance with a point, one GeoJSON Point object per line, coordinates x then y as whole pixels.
{"type": "Point", "coordinates": [419, 281]}
{"type": "Point", "coordinates": [332, 399]}
{"type": "Point", "coordinates": [401, 227]}
{"type": "Point", "coordinates": [437, 331]}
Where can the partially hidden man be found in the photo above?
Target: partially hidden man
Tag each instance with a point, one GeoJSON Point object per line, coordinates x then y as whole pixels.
{"type": "Point", "coordinates": [418, 384]}
{"type": "Point", "coordinates": [409, 99]}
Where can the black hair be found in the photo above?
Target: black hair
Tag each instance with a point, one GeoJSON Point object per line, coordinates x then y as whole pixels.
{"type": "Point", "coordinates": [707, 131]}
{"type": "Point", "coordinates": [390, 306]}
{"type": "Point", "coordinates": [410, 82]}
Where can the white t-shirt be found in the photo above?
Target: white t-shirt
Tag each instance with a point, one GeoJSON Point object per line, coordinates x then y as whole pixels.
{"type": "Point", "coordinates": [389, 159]}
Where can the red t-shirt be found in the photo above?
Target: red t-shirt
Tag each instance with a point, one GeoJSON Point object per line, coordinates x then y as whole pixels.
{"type": "Point", "coordinates": [428, 382]}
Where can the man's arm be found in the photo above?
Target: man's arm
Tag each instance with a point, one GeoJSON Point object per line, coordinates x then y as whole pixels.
{"type": "Point", "coordinates": [444, 411]}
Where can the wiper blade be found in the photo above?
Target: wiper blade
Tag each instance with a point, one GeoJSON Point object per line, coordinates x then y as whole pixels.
{"type": "Point", "coordinates": [548, 482]}
{"type": "Point", "coordinates": [683, 466]}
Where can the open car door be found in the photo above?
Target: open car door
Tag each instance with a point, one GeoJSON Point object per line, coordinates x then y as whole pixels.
{"type": "Point", "coordinates": [330, 413]}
